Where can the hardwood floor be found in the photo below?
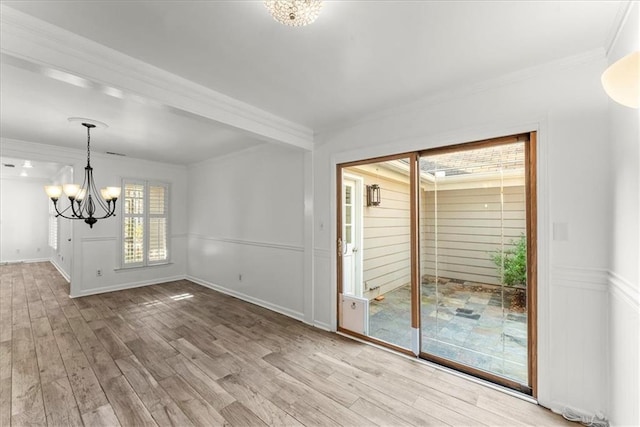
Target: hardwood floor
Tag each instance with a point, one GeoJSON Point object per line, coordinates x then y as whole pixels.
{"type": "Point", "coordinates": [181, 354]}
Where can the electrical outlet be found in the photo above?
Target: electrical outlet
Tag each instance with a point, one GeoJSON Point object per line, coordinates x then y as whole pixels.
{"type": "Point", "coordinates": [99, 272]}
{"type": "Point", "coordinates": [240, 277]}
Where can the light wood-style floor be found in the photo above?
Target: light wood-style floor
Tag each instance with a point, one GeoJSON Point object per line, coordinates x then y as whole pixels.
{"type": "Point", "coordinates": [181, 354]}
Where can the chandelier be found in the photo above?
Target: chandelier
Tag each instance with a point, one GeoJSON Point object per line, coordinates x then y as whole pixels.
{"type": "Point", "coordinates": [83, 200]}
{"type": "Point", "coordinates": [295, 13]}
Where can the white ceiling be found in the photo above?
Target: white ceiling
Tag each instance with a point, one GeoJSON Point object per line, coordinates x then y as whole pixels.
{"type": "Point", "coordinates": [357, 58]}
{"type": "Point", "coordinates": [12, 167]}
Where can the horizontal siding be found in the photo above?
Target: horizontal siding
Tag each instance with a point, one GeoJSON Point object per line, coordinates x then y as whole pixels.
{"type": "Point", "coordinates": [386, 236]}
{"type": "Point", "coordinates": [471, 226]}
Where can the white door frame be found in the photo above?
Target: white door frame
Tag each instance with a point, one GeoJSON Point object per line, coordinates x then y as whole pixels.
{"type": "Point", "coordinates": [355, 249]}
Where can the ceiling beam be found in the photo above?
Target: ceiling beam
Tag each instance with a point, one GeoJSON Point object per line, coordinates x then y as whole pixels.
{"type": "Point", "coordinates": [62, 53]}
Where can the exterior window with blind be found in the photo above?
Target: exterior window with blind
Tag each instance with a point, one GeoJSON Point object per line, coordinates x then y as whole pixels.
{"type": "Point", "coordinates": [145, 223]}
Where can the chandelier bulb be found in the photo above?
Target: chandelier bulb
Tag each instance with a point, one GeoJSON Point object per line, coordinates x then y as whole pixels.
{"type": "Point", "coordinates": [294, 13]}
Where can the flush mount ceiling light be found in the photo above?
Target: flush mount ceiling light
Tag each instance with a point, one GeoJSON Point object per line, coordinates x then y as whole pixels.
{"type": "Point", "coordinates": [295, 13]}
{"type": "Point", "coordinates": [84, 200]}
{"type": "Point", "coordinates": [621, 80]}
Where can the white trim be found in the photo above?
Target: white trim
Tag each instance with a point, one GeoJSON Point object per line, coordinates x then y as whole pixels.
{"type": "Point", "coordinates": [321, 253]}
{"type": "Point", "coordinates": [257, 301]}
{"type": "Point", "coordinates": [415, 341]}
{"type": "Point", "coordinates": [623, 289]}
{"type": "Point", "coordinates": [25, 261]}
{"type": "Point", "coordinates": [593, 279]}
{"type": "Point", "coordinates": [98, 239]}
{"type": "Point", "coordinates": [148, 183]}
{"type": "Point", "coordinates": [60, 270]}
{"type": "Point", "coordinates": [449, 95]}
{"type": "Point", "coordinates": [272, 245]}
{"type": "Point", "coordinates": [208, 163]}
{"type": "Point", "coordinates": [32, 179]}
{"type": "Point", "coordinates": [543, 247]}
{"type": "Point", "coordinates": [422, 142]}
{"type": "Point", "coordinates": [142, 267]}
{"type": "Point", "coordinates": [125, 286]}
{"type": "Point", "coordinates": [41, 152]}
{"type": "Point", "coordinates": [621, 18]}
{"type": "Point", "coordinates": [46, 45]}
{"type": "Point", "coordinates": [67, 156]}
{"type": "Point", "coordinates": [308, 289]}
{"type": "Point", "coordinates": [323, 326]}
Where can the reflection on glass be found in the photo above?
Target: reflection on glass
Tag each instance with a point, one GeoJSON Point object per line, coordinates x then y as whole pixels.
{"type": "Point", "coordinates": [385, 256]}
{"type": "Point", "coordinates": [472, 229]}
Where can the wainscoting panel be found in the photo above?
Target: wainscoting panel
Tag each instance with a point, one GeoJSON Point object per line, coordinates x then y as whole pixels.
{"type": "Point", "coordinates": [269, 274]}
{"type": "Point", "coordinates": [624, 348]}
{"type": "Point", "coordinates": [577, 374]}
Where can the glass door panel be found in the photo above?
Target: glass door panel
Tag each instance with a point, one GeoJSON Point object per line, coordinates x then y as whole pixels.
{"type": "Point", "coordinates": [376, 242]}
{"type": "Point", "coordinates": [472, 259]}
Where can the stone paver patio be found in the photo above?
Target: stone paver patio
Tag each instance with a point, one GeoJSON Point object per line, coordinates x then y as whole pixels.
{"type": "Point", "coordinates": [463, 322]}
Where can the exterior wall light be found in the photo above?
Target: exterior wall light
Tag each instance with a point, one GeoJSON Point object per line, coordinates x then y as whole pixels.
{"type": "Point", "coordinates": [373, 195]}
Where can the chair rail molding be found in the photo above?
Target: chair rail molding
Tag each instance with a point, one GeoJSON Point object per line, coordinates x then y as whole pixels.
{"type": "Point", "coordinates": [272, 245]}
{"type": "Point", "coordinates": [622, 288]}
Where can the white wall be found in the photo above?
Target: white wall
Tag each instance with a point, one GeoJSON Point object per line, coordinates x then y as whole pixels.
{"type": "Point", "coordinates": [63, 256]}
{"type": "Point", "coordinates": [99, 247]}
{"type": "Point", "coordinates": [624, 280]}
{"type": "Point", "coordinates": [24, 220]}
{"type": "Point", "coordinates": [246, 218]}
{"type": "Point", "coordinates": [566, 104]}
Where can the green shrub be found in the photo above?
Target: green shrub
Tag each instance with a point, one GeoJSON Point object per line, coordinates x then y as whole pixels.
{"type": "Point", "coordinates": [513, 263]}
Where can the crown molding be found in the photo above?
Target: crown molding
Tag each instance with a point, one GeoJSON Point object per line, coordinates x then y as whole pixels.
{"type": "Point", "coordinates": [623, 14]}
{"type": "Point", "coordinates": [448, 95]}
{"type": "Point", "coordinates": [49, 46]}
{"type": "Point", "coordinates": [67, 156]}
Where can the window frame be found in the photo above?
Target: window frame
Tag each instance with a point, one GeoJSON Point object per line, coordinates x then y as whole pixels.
{"type": "Point", "coordinates": [147, 184]}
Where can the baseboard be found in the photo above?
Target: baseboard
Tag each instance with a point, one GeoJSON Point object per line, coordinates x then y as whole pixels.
{"type": "Point", "coordinates": [60, 270]}
{"type": "Point", "coordinates": [124, 286]}
{"type": "Point", "coordinates": [25, 261]}
{"type": "Point", "coordinates": [322, 325]}
{"type": "Point", "coordinates": [257, 301]}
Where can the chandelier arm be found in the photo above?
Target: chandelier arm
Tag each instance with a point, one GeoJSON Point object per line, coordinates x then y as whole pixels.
{"type": "Point", "coordinates": [110, 212]}
{"type": "Point", "coordinates": [61, 214]}
{"type": "Point", "coordinates": [98, 197]}
{"type": "Point", "coordinates": [77, 214]}
{"type": "Point", "coordinates": [58, 212]}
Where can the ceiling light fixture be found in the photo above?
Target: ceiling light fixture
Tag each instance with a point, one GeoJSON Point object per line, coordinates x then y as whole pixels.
{"type": "Point", "coordinates": [84, 200]}
{"type": "Point", "coordinates": [621, 80]}
{"type": "Point", "coordinates": [294, 13]}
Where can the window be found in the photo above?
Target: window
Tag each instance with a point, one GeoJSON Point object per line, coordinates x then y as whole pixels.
{"type": "Point", "coordinates": [145, 223]}
{"type": "Point", "coordinates": [53, 227]}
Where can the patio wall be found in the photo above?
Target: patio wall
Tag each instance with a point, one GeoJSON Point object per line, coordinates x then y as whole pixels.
{"type": "Point", "coordinates": [470, 227]}
{"type": "Point", "coordinates": [471, 222]}
{"type": "Point", "coordinates": [386, 232]}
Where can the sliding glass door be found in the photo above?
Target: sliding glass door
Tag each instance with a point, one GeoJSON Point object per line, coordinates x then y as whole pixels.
{"type": "Point", "coordinates": [376, 243]}
{"type": "Point", "coordinates": [437, 256]}
{"type": "Point", "coordinates": [473, 217]}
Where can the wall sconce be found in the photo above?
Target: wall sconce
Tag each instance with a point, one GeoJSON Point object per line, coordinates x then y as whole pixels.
{"type": "Point", "coordinates": [621, 80]}
{"type": "Point", "coordinates": [373, 195]}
